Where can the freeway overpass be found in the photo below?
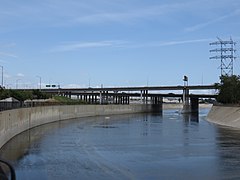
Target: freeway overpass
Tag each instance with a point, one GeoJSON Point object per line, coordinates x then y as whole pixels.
{"type": "Point", "coordinates": [139, 88]}
{"type": "Point", "coordinates": [123, 95]}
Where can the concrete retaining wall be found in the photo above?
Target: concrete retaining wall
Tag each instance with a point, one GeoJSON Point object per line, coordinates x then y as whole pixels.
{"type": "Point", "coordinates": [225, 115]}
{"type": "Point", "coordinates": [15, 121]}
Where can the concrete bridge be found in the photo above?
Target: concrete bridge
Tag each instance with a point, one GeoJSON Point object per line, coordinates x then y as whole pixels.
{"type": "Point", "coordinates": [146, 94]}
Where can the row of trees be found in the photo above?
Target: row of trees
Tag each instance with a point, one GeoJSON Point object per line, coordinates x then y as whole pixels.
{"type": "Point", "coordinates": [22, 95]}
{"type": "Point", "coordinates": [36, 94]}
{"type": "Point", "coordinates": [229, 89]}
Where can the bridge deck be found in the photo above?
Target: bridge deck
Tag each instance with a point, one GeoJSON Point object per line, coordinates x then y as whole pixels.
{"type": "Point", "coordinates": [144, 91]}
{"type": "Point", "coordinates": [144, 95]}
{"type": "Point", "coordinates": [150, 88]}
{"type": "Point", "coordinates": [141, 88]}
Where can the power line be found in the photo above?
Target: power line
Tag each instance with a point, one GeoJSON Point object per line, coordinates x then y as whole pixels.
{"type": "Point", "coordinates": [226, 53]}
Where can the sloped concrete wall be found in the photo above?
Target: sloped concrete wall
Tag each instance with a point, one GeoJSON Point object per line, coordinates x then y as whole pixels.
{"type": "Point", "coordinates": [15, 121]}
{"type": "Point", "coordinates": [225, 115]}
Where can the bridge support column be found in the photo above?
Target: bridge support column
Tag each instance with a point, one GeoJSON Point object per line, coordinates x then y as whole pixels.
{"type": "Point", "coordinates": [107, 97]}
{"type": "Point", "coordinates": [88, 99]}
{"type": "Point", "coordinates": [121, 99]}
{"type": "Point", "coordinates": [157, 104]}
{"type": "Point", "coordinates": [95, 99]}
{"type": "Point", "coordinates": [186, 105]}
{"type": "Point", "coordinates": [100, 98]}
{"type": "Point", "coordinates": [191, 106]}
{"type": "Point", "coordinates": [194, 104]}
{"type": "Point", "coordinates": [114, 99]}
{"type": "Point", "coordinates": [146, 98]}
{"type": "Point", "coordinates": [117, 99]}
{"type": "Point", "coordinates": [141, 96]}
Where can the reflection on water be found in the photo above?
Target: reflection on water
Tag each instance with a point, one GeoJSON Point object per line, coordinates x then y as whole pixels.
{"type": "Point", "coordinates": [191, 117]}
{"type": "Point", "coordinates": [140, 146]}
{"type": "Point", "coordinates": [228, 141]}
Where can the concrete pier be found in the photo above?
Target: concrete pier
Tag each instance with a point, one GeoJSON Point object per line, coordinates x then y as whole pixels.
{"type": "Point", "coordinates": [190, 104]}
{"type": "Point", "coordinates": [186, 104]}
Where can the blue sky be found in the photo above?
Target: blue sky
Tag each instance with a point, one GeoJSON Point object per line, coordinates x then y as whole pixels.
{"type": "Point", "coordinates": [75, 43]}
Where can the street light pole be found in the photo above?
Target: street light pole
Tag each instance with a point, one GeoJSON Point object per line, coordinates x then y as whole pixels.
{"type": "Point", "coordinates": [185, 80]}
{"type": "Point", "coordinates": [40, 79]}
{"type": "Point", "coordinates": [2, 75]}
{"type": "Point", "coordinates": [17, 83]}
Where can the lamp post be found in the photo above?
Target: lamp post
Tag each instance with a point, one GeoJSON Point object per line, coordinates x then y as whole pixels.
{"type": "Point", "coordinates": [40, 79]}
{"type": "Point", "coordinates": [2, 75]}
{"type": "Point", "coordinates": [17, 83]}
{"type": "Point", "coordinates": [185, 79]}
{"type": "Point", "coordinates": [185, 92]}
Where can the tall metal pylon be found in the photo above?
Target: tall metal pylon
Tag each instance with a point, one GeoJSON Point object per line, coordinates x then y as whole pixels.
{"type": "Point", "coordinates": [226, 53]}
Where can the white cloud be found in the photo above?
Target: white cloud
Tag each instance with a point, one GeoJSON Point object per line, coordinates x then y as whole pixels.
{"type": "Point", "coordinates": [213, 21]}
{"type": "Point", "coordinates": [8, 55]}
{"type": "Point", "coordinates": [173, 43]}
{"type": "Point", "coordinates": [75, 12]}
{"type": "Point", "coordinates": [20, 75]}
{"type": "Point", "coordinates": [129, 15]}
{"type": "Point", "coordinates": [73, 46]}
{"type": "Point", "coordinates": [167, 43]}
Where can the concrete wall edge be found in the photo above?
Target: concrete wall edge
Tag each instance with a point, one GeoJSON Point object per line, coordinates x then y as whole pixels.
{"type": "Point", "coordinates": [16, 121]}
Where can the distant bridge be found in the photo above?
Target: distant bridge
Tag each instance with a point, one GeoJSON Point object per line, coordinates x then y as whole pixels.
{"type": "Point", "coordinates": [140, 88]}
{"type": "Point", "coordinates": [123, 95]}
{"type": "Point", "coordinates": [141, 91]}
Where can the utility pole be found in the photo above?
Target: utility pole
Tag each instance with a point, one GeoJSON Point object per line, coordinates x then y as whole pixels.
{"type": "Point", "coordinates": [226, 53]}
{"type": "Point", "coordinates": [17, 83]}
{"type": "Point", "coordinates": [2, 75]}
{"type": "Point", "coordinates": [40, 85]}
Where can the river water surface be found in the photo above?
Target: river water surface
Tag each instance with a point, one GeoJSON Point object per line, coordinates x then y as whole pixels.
{"type": "Point", "coordinates": [139, 146]}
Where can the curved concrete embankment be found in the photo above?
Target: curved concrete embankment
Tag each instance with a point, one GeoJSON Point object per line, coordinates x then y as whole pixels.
{"type": "Point", "coordinates": [225, 115]}
{"type": "Point", "coordinates": [15, 121]}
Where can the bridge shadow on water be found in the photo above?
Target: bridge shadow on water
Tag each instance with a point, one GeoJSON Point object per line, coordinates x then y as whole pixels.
{"type": "Point", "coordinates": [192, 117]}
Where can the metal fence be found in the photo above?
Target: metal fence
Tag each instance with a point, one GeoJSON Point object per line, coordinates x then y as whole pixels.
{"type": "Point", "coordinates": [15, 105]}
{"type": "Point", "coordinates": [9, 105]}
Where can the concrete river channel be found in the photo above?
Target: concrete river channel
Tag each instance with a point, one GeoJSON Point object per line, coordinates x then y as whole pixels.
{"type": "Point", "coordinates": [133, 146]}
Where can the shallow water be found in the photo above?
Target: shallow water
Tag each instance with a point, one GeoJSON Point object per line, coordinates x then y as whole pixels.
{"type": "Point", "coordinates": [139, 146]}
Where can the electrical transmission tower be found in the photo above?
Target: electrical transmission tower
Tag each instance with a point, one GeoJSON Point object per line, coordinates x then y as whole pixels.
{"type": "Point", "coordinates": [226, 53]}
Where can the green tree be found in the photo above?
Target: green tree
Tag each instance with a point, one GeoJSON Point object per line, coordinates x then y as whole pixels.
{"type": "Point", "coordinates": [21, 95]}
{"type": "Point", "coordinates": [37, 94]}
{"type": "Point", "coordinates": [229, 89]}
